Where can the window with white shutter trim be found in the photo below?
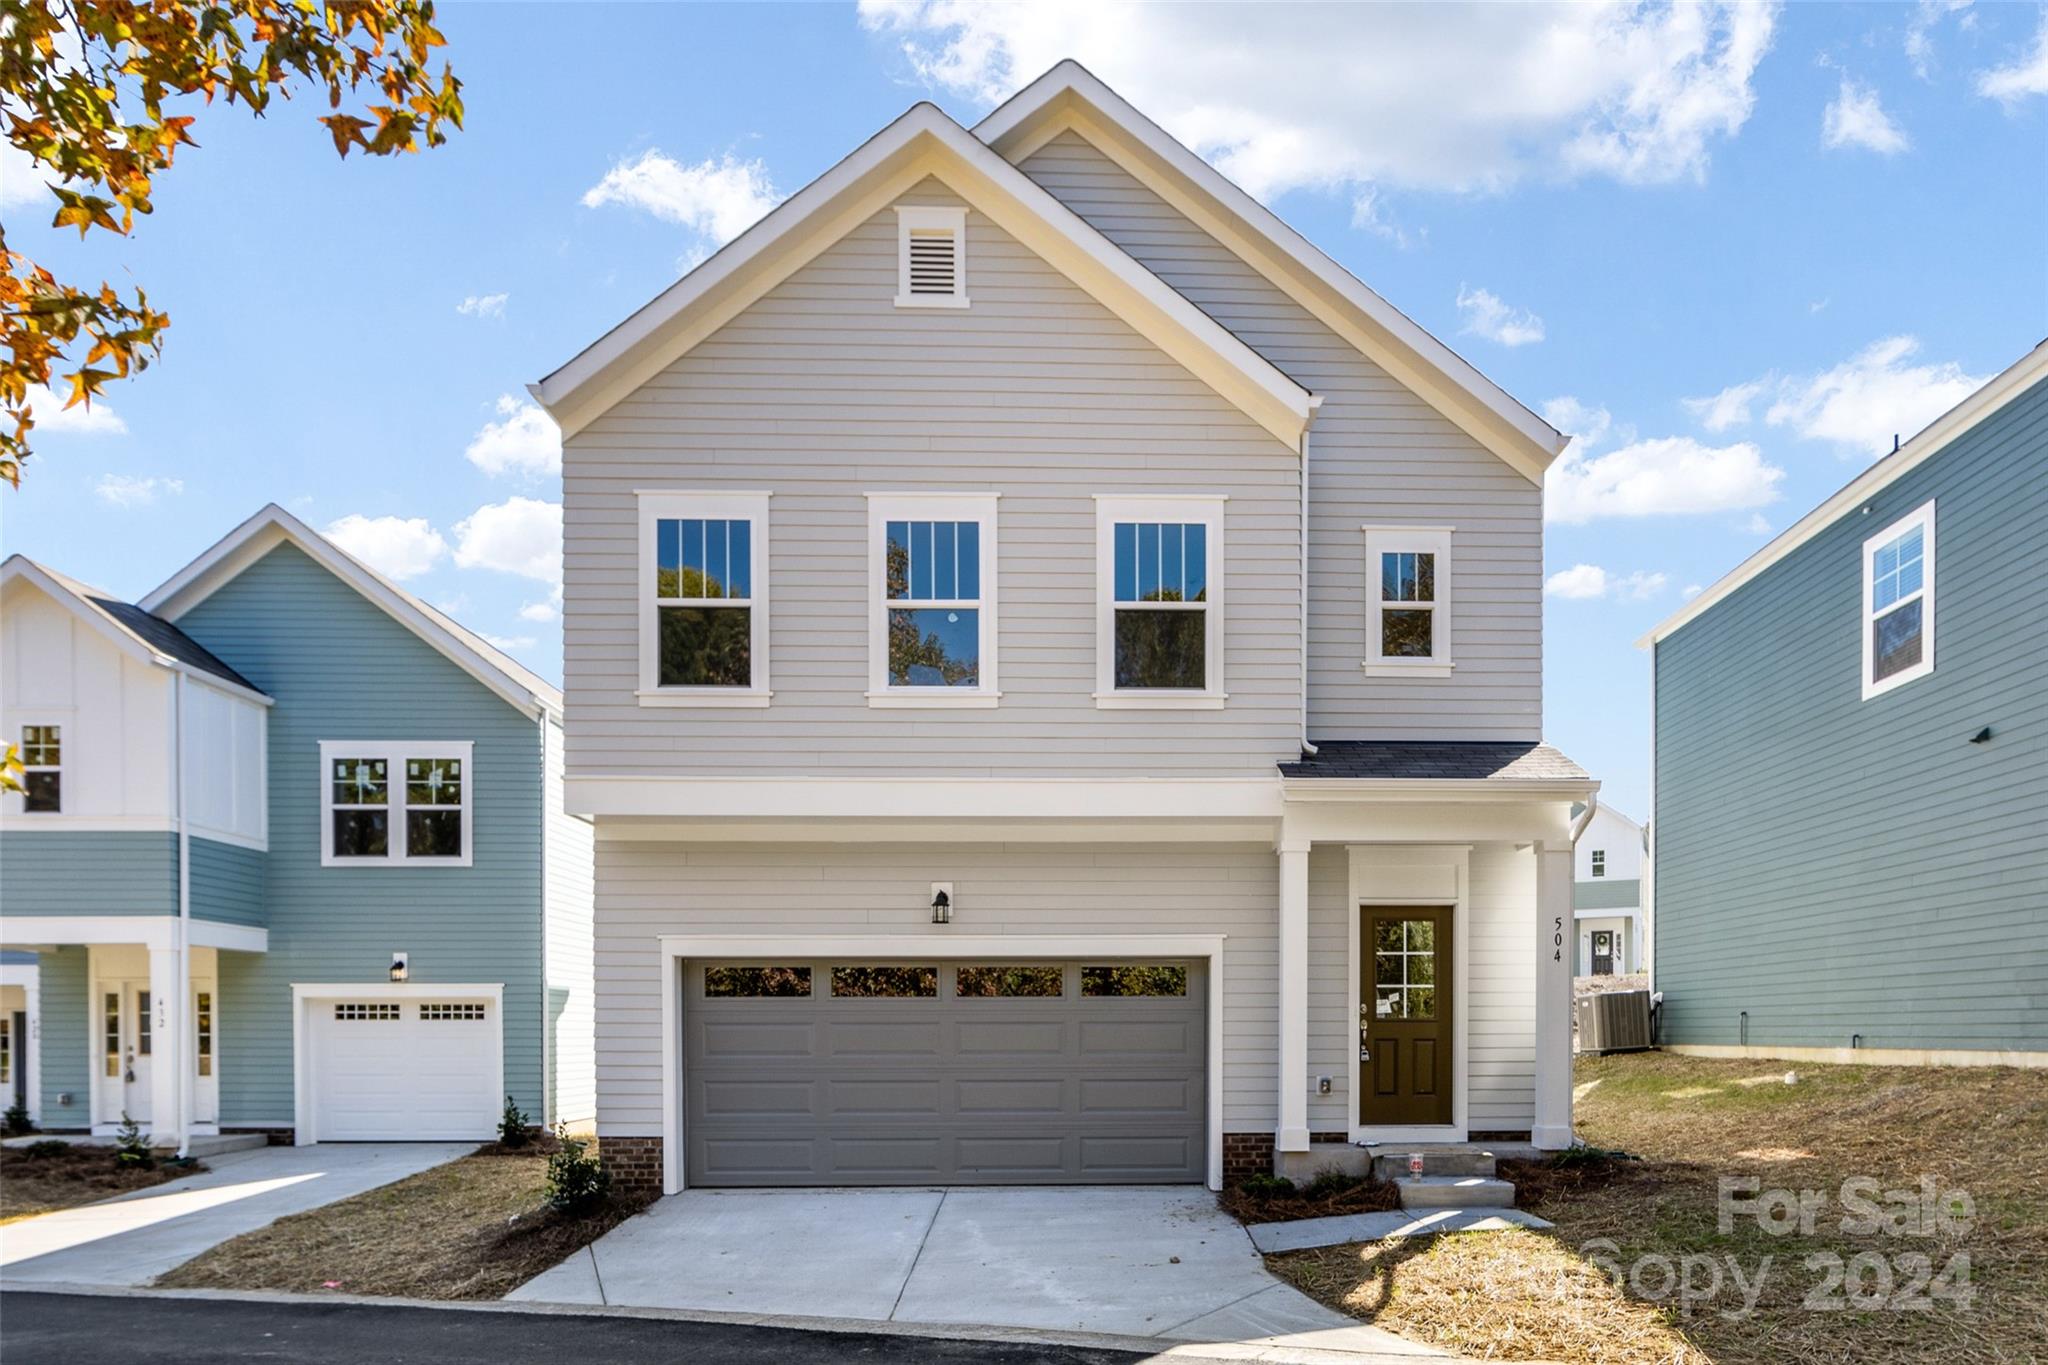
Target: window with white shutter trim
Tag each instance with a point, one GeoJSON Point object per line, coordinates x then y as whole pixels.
{"type": "Point", "coordinates": [931, 257]}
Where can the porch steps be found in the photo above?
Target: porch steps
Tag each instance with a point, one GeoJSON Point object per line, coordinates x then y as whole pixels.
{"type": "Point", "coordinates": [1393, 1164]}
{"type": "Point", "coordinates": [1455, 1192]}
{"type": "Point", "coordinates": [223, 1143]}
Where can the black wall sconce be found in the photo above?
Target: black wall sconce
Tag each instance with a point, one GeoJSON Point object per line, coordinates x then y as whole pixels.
{"type": "Point", "coordinates": [401, 967]}
{"type": "Point", "coordinates": [942, 902]}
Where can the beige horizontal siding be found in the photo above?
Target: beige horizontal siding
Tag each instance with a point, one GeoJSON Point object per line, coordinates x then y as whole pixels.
{"type": "Point", "coordinates": [571, 894]}
{"type": "Point", "coordinates": [822, 391]}
{"type": "Point", "coordinates": [1379, 454]}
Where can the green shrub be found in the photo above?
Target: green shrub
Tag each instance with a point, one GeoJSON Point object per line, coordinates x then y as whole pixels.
{"type": "Point", "coordinates": [1267, 1186]}
{"type": "Point", "coordinates": [1331, 1182]}
{"type": "Point", "coordinates": [46, 1147]}
{"type": "Point", "coordinates": [578, 1183]}
{"type": "Point", "coordinates": [131, 1149]}
{"type": "Point", "coordinates": [514, 1131]}
{"type": "Point", "coordinates": [15, 1122]}
{"type": "Point", "coordinates": [1580, 1154]}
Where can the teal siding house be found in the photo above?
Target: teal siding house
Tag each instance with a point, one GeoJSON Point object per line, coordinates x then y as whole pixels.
{"type": "Point", "coordinates": [1849, 847]}
{"type": "Point", "coordinates": [291, 855]}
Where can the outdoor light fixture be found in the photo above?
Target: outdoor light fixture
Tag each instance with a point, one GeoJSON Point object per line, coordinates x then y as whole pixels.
{"type": "Point", "coordinates": [1983, 736]}
{"type": "Point", "coordinates": [399, 967]}
{"type": "Point", "coordinates": [942, 902]}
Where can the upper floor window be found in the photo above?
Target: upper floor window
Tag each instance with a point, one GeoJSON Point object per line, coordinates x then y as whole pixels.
{"type": "Point", "coordinates": [1898, 602]}
{"type": "Point", "coordinates": [932, 599]}
{"type": "Point", "coordinates": [1408, 601]}
{"type": "Point", "coordinates": [42, 762]}
{"type": "Point", "coordinates": [1599, 862]}
{"type": "Point", "coordinates": [1159, 587]}
{"type": "Point", "coordinates": [390, 804]}
{"type": "Point", "coordinates": [704, 599]}
{"type": "Point", "coordinates": [931, 257]}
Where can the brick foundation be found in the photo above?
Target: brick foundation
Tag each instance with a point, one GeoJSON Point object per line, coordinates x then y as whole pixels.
{"type": "Point", "coordinates": [1329, 1137]}
{"type": "Point", "coordinates": [635, 1164]}
{"type": "Point", "coordinates": [1246, 1154]}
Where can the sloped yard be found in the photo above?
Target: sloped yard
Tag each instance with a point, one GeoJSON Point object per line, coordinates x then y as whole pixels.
{"type": "Point", "coordinates": [54, 1174]}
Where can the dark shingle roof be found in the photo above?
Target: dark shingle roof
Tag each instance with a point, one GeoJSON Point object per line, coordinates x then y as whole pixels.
{"type": "Point", "coordinates": [166, 638]}
{"type": "Point", "coordinates": [1437, 760]}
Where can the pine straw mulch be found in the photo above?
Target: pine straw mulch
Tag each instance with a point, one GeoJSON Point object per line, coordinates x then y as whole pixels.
{"type": "Point", "coordinates": [1367, 1196]}
{"type": "Point", "coordinates": [1521, 1295]}
{"type": "Point", "coordinates": [475, 1228]}
{"type": "Point", "coordinates": [32, 1185]}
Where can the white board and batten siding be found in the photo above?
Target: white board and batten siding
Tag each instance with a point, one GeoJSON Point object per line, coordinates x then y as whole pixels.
{"type": "Point", "coordinates": [824, 391]}
{"type": "Point", "coordinates": [570, 868]}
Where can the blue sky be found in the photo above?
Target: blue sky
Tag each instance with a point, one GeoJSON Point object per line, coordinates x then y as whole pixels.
{"type": "Point", "coordinates": [1733, 250]}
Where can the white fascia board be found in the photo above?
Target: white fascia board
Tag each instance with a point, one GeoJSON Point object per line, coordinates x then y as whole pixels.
{"type": "Point", "coordinates": [23, 569]}
{"type": "Point", "coordinates": [272, 526]}
{"type": "Point", "coordinates": [2022, 375]}
{"type": "Point", "coordinates": [1070, 96]}
{"type": "Point", "coordinates": [824, 798]}
{"type": "Point", "coordinates": [1482, 791]}
{"type": "Point", "coordinates": [924, 141]}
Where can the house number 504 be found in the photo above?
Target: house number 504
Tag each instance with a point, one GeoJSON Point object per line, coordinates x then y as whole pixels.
{"type": "Point", "coordinates": [1557, 939]}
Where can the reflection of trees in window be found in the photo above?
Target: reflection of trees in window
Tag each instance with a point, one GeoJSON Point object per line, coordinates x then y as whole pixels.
{"type": "Point", "coordinates": [1138, 978]}
{"type": "Point", "coordinates": [920, 657]}
{"type": "Point", "coordinates": [778, 982]}
{"type": "Point", "coordinates": [706, 647]}
{"type": "Point", "coordinates": [878, 982]}
{"type": "Point", "coordinates": [1009, 981]}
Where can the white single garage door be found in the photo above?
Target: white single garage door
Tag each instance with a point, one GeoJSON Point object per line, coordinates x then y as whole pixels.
{"type": "Point", "coordinates": [396, 1070]}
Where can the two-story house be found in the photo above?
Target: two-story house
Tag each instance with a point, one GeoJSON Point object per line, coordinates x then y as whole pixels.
{"type": "Point", "coordinates": [1849, 841]}
{"type": "Point", "coordinates": [1055, 666]}
{"type": "Point", "coordinates": [291, 851]}
{"type": "Point", "coordinates": [1607, 895]}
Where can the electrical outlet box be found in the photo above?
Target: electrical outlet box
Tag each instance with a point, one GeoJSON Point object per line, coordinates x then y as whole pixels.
{"type": "Point", "coordinates": [1323, 1084]}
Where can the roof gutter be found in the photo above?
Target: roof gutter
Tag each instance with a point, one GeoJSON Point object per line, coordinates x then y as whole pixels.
{"type": "Point", "coordinates": [1585, 817]}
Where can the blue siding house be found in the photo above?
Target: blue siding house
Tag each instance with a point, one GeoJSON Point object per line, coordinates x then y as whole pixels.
{"type": "Point", "coordinates": [291, 854]}
{"type": "Point", "coordinates": [1849, 848]}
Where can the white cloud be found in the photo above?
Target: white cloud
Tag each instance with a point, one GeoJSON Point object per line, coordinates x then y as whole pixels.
{"type": "Point", "coordinates": [2024, 76]}
{"type": "Point", "coordinates": [1369, 213]}
{"type": "Point", "coordinates": [1927, 15]}
{"type": "Point", "coordinates": [23, 183]}
{"type": "Point", "coordinates": [524, 440]}
{"type": "Point", "coordinates": [539, 611]}
{"type": "Point", "coordinates": [1437, 97]}
{"type": "Point", "coordinates": [1589, 425]}
{"type": "Point", "coordinates": [483, 306]}
{"type": "Point", "coordinates": [1666, 476]}
{"type": "Point", "coordinates": [507, 641]}
{"type": "Point", "coordinates": [94, 419]}
{"type": "Point", "coordinates": [1857, 119]}
{"type": "Point", "coordinates": [718, 200]}
{"type": "Point", "coordinates": [1758, 524]}
{"type": "Point", "coordinates": [1488, 316]}
{"type": "Point", "coordinates": [1690, 591]}
{"type": "Point", "coordinates": [1873, 396]}
{"type": "Point", "coordinates": [1585, 582]}
{"type": "Point", "coordinates": [517, 536]}
{"type": "Point", "coordinates": [398, 547]}
{"type": "Point", "coordinates": [1728, 408]}
{"type": "Point", "coordinates": [126, 490]}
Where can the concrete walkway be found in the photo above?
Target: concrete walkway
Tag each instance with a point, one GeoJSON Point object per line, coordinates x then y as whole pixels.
{"type": "Point", "coordinates": [133, 1238]}
{"type": "Point", "coordinates": [1152, 1262]}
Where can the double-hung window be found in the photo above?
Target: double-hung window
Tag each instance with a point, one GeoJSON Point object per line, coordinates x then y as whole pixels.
{"type": "Point", "coordinates": [1408, 601]}
{"type": "Point", "coordinates": [703, 599]}
{"type": "Point", "coordinates": [932, 599]}
{"type": "Point", "coordinates": [42, 762]}
{"type": "Point", "coordinates": [1599, 862]}
{"type": "Point", "coordinates": [1159, 609]}
{"type": "Point", "coordinates": [1898, 602]}
{"type": "Point", "coordinates": [396, 803]}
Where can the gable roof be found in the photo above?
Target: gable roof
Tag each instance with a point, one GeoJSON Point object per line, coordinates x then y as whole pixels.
{"type": "Point", "coordinates": [1070, 96]}
{"type": "Point", "coordinates": [273, 526]}
{"type": "Point", "coordinates": [1935, 437]}
{"type": "Point", "coordinates": [923, 142]}
{"type": "Point", "coordinates": [1429, 760]}
{"type": "Point", "coordinates": [142, 636]}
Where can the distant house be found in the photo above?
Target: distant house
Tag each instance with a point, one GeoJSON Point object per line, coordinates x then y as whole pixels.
{"type": "Point", "coordinates": [291, 854]}
{"type": "Point", "coordinates": [19, 1009]}
{"type": "Point", "coordinates": [1607, 895]}
{"type": "Point", "coordinates": [1849, 846]}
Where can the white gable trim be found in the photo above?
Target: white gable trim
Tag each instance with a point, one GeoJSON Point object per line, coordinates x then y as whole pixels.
{"type": "Point", "coordinates": [1069, 97]}
{"type": "Point", "coordinates": [273, 526]}
{"type": "Point", "coordinates": [923, 142]}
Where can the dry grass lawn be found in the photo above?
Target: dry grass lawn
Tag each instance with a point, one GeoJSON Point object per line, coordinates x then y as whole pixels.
{"type": "Point", "coordinates": [1527, 1296]}
{"type": "Point", "coordinates": [475, 1228]}
{"type": "Point", "coordinates": [32, 1185]}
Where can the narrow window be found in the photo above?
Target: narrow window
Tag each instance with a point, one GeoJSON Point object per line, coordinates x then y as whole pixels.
{"type": "Point", "coordinates": [885, 982]}
{"type": "Point", "coordinates": [1159, 632]}
{"type": "Point", "coordinates": [931, 257]}
{"type": "Point", "coordinates": [756, 982]}
{"type": "Point", "coordinates": [1134, 979]}
{"type": "Point", "coordinates": [42, 777]}
{"type": "Point", "coordinates": [110, 1031]}
{"type": "Point", "coordinates": [932, 599]}
{"type": "Point", "coordinates": [1009, 982]}
{"type": "Point", "coordinates": [1408, 589]}
{"type": "Point", "coordinates": [6, 1049]}
{"type": "Point", "coordinates": [1898, 602]}
{"type": "Point", "coordinates": [392, 803]}
{"type": "Point", "coordinates": [704, 599]}
{"type": "Point", "coordinates": [1599, 862]}
{"type": "Point", "coordinates": [202, 1030]}
{"type": "Point", "coordinates": [143, 1023]}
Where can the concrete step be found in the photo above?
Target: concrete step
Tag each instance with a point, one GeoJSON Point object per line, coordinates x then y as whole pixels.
{"type": "Point", "coordinates": [1456, 1192]}
{"type": "Point", "coordinates": [224, 1143]}
{"type": "Point", "coordinates": [1393, 1165]}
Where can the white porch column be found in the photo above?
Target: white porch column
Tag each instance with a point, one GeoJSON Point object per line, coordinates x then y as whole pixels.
{"type": "Point", "coordinates": [166, 1048]}
{"type": "Point", "coordinates": [29, 1048]}
{"type": "Point", "coordinates": [1292, 1132]}
{"type": "Point", "coordinates": [1557, 950]}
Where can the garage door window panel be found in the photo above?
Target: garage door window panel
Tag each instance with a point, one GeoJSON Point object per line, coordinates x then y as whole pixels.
{"type": "Point", "coordinates": [896, 983]}
{"type": "Point", "coordinates": [757, 982]}
{"type": "Point", "coordinates": [1001, 982]}
{"type": "Point", "coordinates": [1134, 980]}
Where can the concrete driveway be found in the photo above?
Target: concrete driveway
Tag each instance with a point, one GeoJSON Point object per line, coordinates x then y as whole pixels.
{"type": "Point", "coordinates": [133, 1238]}
{"type": "Point", "coordinates": [1139, 1261]}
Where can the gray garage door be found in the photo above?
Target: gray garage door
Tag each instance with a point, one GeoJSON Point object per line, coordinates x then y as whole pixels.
{"type": "Point", "coordinates": [998, 1073]}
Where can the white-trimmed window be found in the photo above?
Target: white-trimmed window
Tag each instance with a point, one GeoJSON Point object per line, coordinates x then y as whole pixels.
{"type": "Point", "coordinates": [396, 803]}
{"type": "Point", "coordinates": [1898, 602]}
{"type": "Point", "coordinates": [932, 599]}
{"type": "Point", "coordinates": [703, 599]}
{"type": "Point", "coordinates": [1408, 601]}
{"type": "Point", "coordinates": [931, 257]}
{"type": "Point", "coordinates": [42, 769]}
{"type": "Point", "coordinates": [1599, 862]}
{"type": "Point", "coordinates": [1159, 601]}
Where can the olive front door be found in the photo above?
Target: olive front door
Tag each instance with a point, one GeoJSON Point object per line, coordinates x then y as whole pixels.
{"type": "Point", "coordinates": [1404, 1017]}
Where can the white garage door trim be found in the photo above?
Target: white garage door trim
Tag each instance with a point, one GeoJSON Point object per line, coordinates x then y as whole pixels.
{"type": "Point", "coordinates": [308, 995]}
{"type": "Point", "coordinates": [675, 948]}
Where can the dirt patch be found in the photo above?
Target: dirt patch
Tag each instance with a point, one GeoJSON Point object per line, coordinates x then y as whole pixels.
{"type": "Point", "coordinates": [475, 1228]}
{"type": "Point", "coordinates": [1318, 1199]}
{"type": "Point", "coordinates": [37, 1184]}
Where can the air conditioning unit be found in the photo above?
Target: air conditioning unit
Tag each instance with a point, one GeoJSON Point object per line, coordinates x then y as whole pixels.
{"type": "Point", "coordinates": [1615, 1021]}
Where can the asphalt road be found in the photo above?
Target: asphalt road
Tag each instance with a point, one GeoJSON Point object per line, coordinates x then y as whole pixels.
{"type": "Point", "coordinates": [59, 1329]}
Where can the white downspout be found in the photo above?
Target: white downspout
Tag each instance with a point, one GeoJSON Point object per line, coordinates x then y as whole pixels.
{"type": "Point", "coordinates": [183, 1004]}
{"type": "Point", "coordinates": [1585, 817]}
{"type": "Point", "coordinates": [547, 1042]}
{"type": "Point", "coordinates": [1306, 747]}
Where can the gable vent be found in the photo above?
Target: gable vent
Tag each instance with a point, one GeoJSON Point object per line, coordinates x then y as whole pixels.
{"type": "Point", "coordinates": [931, 255]}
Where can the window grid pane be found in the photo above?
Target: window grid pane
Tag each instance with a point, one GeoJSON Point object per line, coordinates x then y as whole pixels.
{"type": "Point", "coordinates": [1162, 562]}
{"type": "Point", "coordinates": [699, 559]}
{"type": "Point", "coordinates": [932, 561]}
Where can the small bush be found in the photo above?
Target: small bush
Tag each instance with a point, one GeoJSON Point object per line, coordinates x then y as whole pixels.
{"type": "Point", "coordinates": [131, 1149]}
{"type": "Point", "coordinates": [15, 1122]}
{"type": "Point", "coordinates": [1267, 1187]}
{"type": "Point", "coordinates": [46, 1147]}
{"type": "Point", "coordinates": [1331, 1182]}
{"type": "Point", "coordinates": [514, 1132]}
{"type": "Point", "coordinates": [1579, 1154]}
{"type": "Point", "coordinates": [578, 1183]}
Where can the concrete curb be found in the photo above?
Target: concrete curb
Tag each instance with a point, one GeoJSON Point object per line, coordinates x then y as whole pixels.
{"type": "Point", "coordinates": [1266, 1353]}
